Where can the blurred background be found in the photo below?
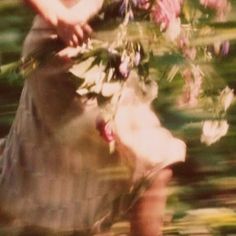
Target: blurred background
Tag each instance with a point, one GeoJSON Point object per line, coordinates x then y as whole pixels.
{"type": "Point", "coordinates": [202, 194]}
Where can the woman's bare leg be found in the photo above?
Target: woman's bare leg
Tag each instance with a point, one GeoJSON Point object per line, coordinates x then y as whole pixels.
{"type": "Point", "coordinates": [147, 214]}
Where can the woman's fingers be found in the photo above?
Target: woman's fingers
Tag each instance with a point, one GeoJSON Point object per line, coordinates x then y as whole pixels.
{"type": "Point", "coordinates": [72, 43]}
{"type": "Point", "coordinates": [87, 29]}
{"type": "Point", "coordinates": [74, 36]}
{"type": "Point", "coordinates": [75, 40]}
{"type": "Point", "coordinates": [82, 32]}
{"type": "Point", "coordinates": [78, 30]}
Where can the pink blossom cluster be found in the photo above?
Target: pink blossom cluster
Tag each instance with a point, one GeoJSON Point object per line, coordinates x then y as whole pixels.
{"type": "Point", "coordinates": [166, 11]}
{"type": "Point", "coordinates": [221, 7]}
{"type": "Point", "coordinates": [215, 4]}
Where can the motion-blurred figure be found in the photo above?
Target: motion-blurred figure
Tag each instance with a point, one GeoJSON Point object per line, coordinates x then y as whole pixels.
{"type": "Point", "coordinates": [56, 171]}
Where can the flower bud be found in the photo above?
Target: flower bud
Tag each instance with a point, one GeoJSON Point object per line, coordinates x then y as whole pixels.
{"type": "Point", "coordinates": [105, 130]}
{"type": "Point", "coordinates": [124, 67]}
{"type": "Point", "coordinates": [137, 58]}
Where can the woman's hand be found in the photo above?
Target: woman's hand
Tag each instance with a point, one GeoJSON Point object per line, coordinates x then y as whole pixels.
{"type": "Point", "coordinates": [71, 23]}
{"type": "Point", "coordinates": [73, 27]}
{"type": "Point", "coordinates": [72, 34]}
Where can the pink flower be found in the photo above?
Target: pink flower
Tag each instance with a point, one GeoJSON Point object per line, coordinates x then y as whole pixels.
{"type": "Point", "coordinates": [192, 89]}
{"type": "Point", "coordinates": [226, 98]}
{"type": "Point", "coordinates": [188, 51]}
{"type": "Point", "coordinates": [137, 58]}
{"type": "Point", "coordinates": [105, 130]}
{"type": "Point", "coordinates": [142, 4]}
{"type": "Point", "coordinates": [221, 7]}
{"type": "Point", "coordinates": [225, 46]}
{"type": "Point", "coordinates": [124, 67]}
{"type": "Point", "coordinates": [165, 11]}
{"type": "Point", "coordinates": [221, 48]}
{"type": "Point", "coordinates": [214, 4]}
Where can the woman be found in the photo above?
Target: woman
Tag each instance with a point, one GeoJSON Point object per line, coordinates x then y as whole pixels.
{"type": "Point", "coordinates": [57, 173]}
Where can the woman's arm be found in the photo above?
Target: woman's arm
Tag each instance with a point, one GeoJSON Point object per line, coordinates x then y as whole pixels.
{"type": "Point", "coordinates": [71, 24]}
{"type": "Point", "coordinates": [90, 9]}
{"type": "Point", "coordinates": [50, 11]}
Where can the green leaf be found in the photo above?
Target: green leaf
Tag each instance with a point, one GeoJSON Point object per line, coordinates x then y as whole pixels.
{"type": "Point", "coordinates": [172, 72]}
{"type": "Point", "coordinates": [9, 68]}
{"type": "Point", "coordinates": [81, 68]}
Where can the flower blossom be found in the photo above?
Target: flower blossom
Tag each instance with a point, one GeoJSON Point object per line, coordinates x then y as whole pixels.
{"type": "Point", "coordinates": [105, 130]}
{"type": "Point", "coordinates": [124, 67]}
{"type": "Point", "coordinates": [220, 6]}
{"type": "Point", "coordinates": [213, 130]}
{"type": "Point", "coordinates": [141, 4]}
{"type": "Point", "coordinates": [226, 98]}
{"type": "Point", "coordinates": [225, 46]}
{"type": "Point", "coordinates": [173, 30]}
{"type": "Point", "coordinates": [214, 4]}
{"type": "Point", "coordinates": [193, 84]}
{"type": "Point", "coordinates": [137, 58]}
{"type": "Point", "coordinates": [166, 13]}
{"type": "Point", "coordinates": [221, 48]}
{"type": "Point", "coordinates": [188, 51]}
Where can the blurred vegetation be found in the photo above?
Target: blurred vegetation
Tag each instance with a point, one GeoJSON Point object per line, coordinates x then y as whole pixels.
{"type": "Point", "coordinates": [14, 24]}
{"type": "Point", "coordinates": [203, 192]}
